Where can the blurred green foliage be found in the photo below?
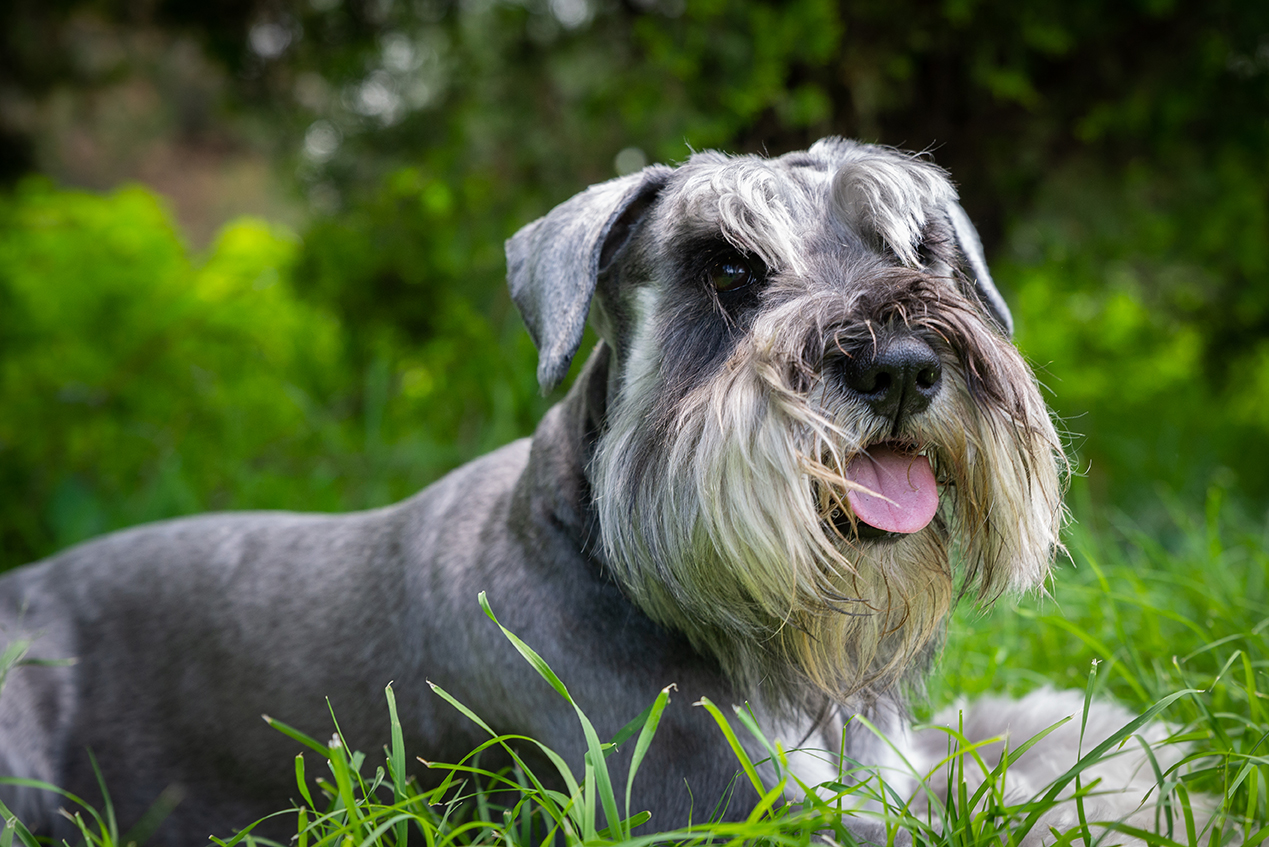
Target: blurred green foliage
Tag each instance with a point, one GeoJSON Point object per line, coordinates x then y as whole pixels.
{"type": "Point", "coordinates": [1144, 299]}
{"type": "Point", "coordinates": [138, 383]}
{"type": "Point", "coordinates": [1113, 155]}
{"type": "Point", "coordinates": [135, 384]}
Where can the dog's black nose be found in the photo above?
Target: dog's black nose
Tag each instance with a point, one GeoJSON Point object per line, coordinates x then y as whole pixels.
{"type": "Point", "coordinates": [898, 376]}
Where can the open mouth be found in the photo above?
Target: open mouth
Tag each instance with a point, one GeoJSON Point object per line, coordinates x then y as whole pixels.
{"type": "Point", "coordinates": [893, 492]}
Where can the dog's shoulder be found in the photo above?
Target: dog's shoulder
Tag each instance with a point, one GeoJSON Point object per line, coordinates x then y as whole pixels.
{"type": "Point", "coordinates": [492, 475]}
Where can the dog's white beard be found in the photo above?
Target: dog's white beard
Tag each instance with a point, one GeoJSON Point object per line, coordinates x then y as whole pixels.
{"type": "Point", "coordinates": [719, 530]}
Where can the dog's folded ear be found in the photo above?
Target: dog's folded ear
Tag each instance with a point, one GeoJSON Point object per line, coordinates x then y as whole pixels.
{"type": "Point", "coordinates": [972, 249]}
{"type": "Point", "coordinates": [554, 263]}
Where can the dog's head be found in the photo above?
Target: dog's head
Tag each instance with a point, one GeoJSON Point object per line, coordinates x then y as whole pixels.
{"type": "Point", "coordinates": [813, 410]}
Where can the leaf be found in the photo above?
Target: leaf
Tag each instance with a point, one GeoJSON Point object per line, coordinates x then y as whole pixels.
{"type": "Point", "coordinates": [734, 743]}
{"type": "Point", "coordinates": [290, 731]}
{"type": "Point", "coordinates": [652, 719]}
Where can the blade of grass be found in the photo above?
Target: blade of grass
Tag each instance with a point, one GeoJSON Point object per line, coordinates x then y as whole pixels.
{"type": "Point", "coordinates": [12, 656]}
{"type": "Point", "coordinates": [651, 722]}
{"type": "Point", "coordinates": [749, 722]}
{"type": "Point", "coordinates": [396, 761]}
{"type": "Point", "coordinates": [734, 743]}
{"type": "Point", "coordinates": [290, 731]}
{"type": "Point", "coordinates": [629, 824]}
{"type": "Point", "coordinates": [623, 735]}
{"type": "Point", "coordinates": [111, 830]}
{"type": "Point", "coordinates": [14, 827]}
{"type": "Point", "coordinates": [595, 752]}
{"type": "Point", "coordinates": [301, 781]}
{"type": "Point", "coordinates": [44, 786]}
{"type": "Point", "coordinates": [340, 768]}
{"type": "Point", "coordinates": [150, 821]}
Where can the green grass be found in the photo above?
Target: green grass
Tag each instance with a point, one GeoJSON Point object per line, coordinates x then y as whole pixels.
{"type": "Point", "coordinates": [1153, 618]}
{"type": "Point", "coordinates": [1176, 630]}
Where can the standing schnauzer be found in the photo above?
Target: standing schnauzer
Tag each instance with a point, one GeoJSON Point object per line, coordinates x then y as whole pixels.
{"type": "Point", "coordinates": [804, 409]}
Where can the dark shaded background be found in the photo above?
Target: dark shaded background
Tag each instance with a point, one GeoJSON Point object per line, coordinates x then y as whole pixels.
{"type": "Point", "coordinates": [1115, 156]}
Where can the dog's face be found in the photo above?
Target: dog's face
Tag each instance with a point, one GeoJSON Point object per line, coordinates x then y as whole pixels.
{"type": "Point", "coordinates": [814, 408]}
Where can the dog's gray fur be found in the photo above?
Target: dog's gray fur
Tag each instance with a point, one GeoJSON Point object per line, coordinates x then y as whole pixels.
{"type": "Point", "coordinates": [669, 522]}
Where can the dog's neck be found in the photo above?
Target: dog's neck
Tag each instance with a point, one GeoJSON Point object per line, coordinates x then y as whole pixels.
{"type": "Point", "coordinates": [555, 487]}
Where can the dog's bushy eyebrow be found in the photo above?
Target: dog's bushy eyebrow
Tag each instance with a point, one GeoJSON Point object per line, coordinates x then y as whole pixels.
{"type": "Point", "coordinates": [891, 197]}
{"type": "Point", "coordinates": [749, 202]}
{"type": "Point", "coordinates": [763, 206]}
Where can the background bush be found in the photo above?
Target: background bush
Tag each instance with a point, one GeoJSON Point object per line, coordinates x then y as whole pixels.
{"type": "Point", "coordinates": [138, 384]}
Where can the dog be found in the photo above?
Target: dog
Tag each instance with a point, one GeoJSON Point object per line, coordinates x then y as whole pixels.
{"type": "Point", "coordinates": [804, 433]}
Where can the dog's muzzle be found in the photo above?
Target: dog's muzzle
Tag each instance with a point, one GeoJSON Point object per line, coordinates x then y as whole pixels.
{"type": "Point", "coordinates": [896, 378]}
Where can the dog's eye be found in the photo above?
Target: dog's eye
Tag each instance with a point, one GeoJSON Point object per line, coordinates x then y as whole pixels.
{"type": "Point", "coordinates": [730, 274]}
{"type": "Point", "coordinates": [925, 256]}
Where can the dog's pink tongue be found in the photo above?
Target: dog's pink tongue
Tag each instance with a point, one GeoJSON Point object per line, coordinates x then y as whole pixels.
{"type": "Point", "coordinates": [905, 481]}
